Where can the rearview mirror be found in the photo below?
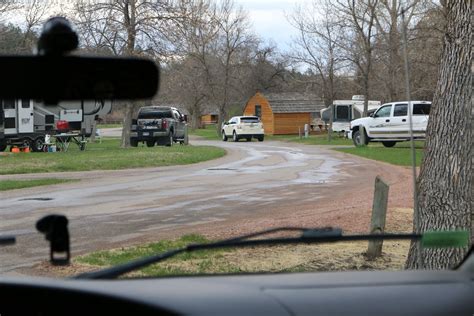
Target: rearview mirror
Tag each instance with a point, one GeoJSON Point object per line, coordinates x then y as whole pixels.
{"type": "Point", "coordinates": [54, 78]}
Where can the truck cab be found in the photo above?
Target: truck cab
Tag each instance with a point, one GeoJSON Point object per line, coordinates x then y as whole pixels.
{"type": "Point", "coordinates": [390, 123]}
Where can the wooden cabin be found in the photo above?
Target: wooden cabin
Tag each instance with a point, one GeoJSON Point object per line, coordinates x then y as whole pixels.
{"type": "Point", "coordinates": [210, 115]}
{"type": "Point", "coordinates": [284, 113]}
{"type": "Point", "coordinates": [210, 118]}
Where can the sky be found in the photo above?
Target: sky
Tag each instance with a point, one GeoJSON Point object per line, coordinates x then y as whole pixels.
{"type": "Point", "coordinates": [269, 21]}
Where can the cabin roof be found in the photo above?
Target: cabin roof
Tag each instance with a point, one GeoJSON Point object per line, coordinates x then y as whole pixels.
{"type": "Point", "coordinates": [294, 102]}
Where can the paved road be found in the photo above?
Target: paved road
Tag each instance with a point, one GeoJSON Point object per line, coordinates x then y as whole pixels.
{"type": "Point", "coordinates": [111, 208]}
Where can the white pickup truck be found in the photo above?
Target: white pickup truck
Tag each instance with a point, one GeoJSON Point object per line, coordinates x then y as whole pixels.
{"type": "Point", "coordinates": [390, 123]}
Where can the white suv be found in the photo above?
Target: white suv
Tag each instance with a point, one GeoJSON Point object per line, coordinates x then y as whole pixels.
{"type": "Point", "coordinates": [390, 124]}
{"type": "Point", "coordinates": [243, 127]}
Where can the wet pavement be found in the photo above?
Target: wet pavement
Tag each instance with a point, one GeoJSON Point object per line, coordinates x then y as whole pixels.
{"type": "Point", "coordinates": [116, 208]}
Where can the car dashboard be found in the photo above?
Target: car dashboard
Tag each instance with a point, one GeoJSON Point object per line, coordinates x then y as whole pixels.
{"type": "Point", "coordinates": [329, 293]}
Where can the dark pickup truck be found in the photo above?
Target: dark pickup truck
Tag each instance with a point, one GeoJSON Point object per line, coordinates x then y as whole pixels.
{"type": "Point", "coordinates": [158, 125]}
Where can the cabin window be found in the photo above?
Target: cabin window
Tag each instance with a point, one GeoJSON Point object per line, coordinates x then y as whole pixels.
{"type": "Point", "coordinates": [258, 110]}
{"type": "Point", "coordinates": [400, 110]}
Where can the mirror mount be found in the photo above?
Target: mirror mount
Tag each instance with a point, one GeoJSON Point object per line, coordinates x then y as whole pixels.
{"type": "Point", "coordinates": [57, 38]}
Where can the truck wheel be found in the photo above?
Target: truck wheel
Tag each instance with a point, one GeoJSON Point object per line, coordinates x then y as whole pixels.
{"type": "Point", "coordinates": [235, 138]}
{"type": "Point", "coordinates": [260, 138]}
{"type": "Point", "coordinates": [150, 143]}
{"type": "Point", "coordinates": [3, 147]}
{"type": "Point", "coordinates": [389, 143]}
{"type": "Point", "coordinates": [38, 144]}
{"type": "Point", "coordinates": [224, 137]}
{"type": "Point", "coordinates": [357, 141]}
{"type": "Point", "coordinates": [170, 140]}
{"type": "Point", "coordinates": [133, 142]}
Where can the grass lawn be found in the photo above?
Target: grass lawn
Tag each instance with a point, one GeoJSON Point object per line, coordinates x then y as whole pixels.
{"type": "Point", "coordinates": [209, 132]}
{"type": "Point", "coordinates": [187, 263]}
{"type": "Point", "coordinates": [279, 258]}
{"type": "Point", "coordinates": [20, 184]}
{"type": "Point", "coordinates": [313, 139]}
{"type": "Point", "coordinates": [106, 156]}
{"type": "Point", "coordinates": [399, 155]}
{"type": "Point", "coordinates": [108, 125]}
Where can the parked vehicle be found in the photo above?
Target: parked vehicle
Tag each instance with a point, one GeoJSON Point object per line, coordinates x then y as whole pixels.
{"type": "Point", "coordinates": [347, 110]}
{"type": "Point", "coordinates": [162, 125]}
{"type": "Point", "coordinates": [25, 122]}
{"type": "Point", "coordinates": [239, 127]}
{"type": "Point", "coordinates": [390, 123]}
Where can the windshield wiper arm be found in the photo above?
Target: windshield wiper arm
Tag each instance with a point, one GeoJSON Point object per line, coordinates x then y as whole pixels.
{"type": "Point", "coordinates": [309, 236]}
{"type": "Point", "coordinates": [7, 240]}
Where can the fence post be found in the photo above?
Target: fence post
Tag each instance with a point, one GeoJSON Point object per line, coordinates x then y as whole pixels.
{"type": "Point", "coordinates": [379, 214]}
{"type": "Point", "coordinates": [299, 132]}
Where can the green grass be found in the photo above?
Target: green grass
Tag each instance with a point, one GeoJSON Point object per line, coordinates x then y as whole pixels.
{"type": "Point", "coordinates": [399, 155]}
{"type": "Point", "coordinates": [20, 184]}
{"type": "Point", "coordinates": [313, 139]}
{"type": "Point", "coordinates": [209, 132]}
{"type": "Point", "coordinates": [204, 261]}
{"type": "Point", "coordinates": [109, 125]}
{"type": "Point", "coordinates": [106, 156]}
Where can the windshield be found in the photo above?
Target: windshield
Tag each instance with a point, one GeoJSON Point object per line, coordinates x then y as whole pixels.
{"type": "Point", "coordinates": [132, 188]}
{"type": "Point", "coordinates": [154, 114]}
{"type": "Point", "coordinates": [249, 119]}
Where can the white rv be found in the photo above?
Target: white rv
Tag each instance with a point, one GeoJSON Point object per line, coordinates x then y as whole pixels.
{"type": "Point", "coordinates": [25, 122]}
{"type": "Point", "coordinates": [347, 110]}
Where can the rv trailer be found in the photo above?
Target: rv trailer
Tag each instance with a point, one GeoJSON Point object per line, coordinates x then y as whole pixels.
{"type": "Point", "coordinates": [347, 110]}
{"type": "Point", "coordinates": [25, 122]}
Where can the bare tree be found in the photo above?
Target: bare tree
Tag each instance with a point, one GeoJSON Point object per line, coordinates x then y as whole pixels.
{"type": "Point", "coordinates": [388, 21]}
{"type": "Point", "coordinates": [445, 183]}
{"type": "Point", "coordinates": [130, 28]}
{"type": "Point", "coordinates": [232, 55]}
{"type": "Point", "coordinates": [317, 43]}
{"type": "Point", "coordinates": [35, 12]}
{"type": "Point", "coordinates": [359, 20]}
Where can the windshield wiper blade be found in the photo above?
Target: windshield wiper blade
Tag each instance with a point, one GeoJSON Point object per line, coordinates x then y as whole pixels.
{"type": "Point", "coordinates": [308, 236]}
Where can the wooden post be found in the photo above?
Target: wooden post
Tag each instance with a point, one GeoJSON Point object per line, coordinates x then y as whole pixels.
{"type": "Point", "coordinates": [186, 137]}
{"type": "Point", "coordinates": [379, 213]}
{"type": "Point", "coordinates": [299, 132]}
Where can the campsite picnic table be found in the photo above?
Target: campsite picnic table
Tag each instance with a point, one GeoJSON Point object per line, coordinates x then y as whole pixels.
{"type": "Point", "coordinates": [63, 141]}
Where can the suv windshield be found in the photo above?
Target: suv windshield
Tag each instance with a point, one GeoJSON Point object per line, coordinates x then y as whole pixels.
{"type": "Point", "coordinates": [249, 119]}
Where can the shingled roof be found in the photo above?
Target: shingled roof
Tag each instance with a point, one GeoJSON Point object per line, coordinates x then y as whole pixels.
{"type": "Point", "coordinates": [294, 102]}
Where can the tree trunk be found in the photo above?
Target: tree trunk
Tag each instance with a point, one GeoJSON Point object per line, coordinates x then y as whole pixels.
{"type": "Point", "coordinates": [127, 124]}
{"type": "Point", "coordinates": [445, 181]}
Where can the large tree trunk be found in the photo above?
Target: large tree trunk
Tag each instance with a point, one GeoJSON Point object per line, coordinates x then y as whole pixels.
{"type": "Point", "coordinates": [445, 186]}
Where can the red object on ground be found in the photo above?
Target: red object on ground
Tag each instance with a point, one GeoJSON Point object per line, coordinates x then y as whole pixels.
{"type": "Point", "coordinates": [62, 126]}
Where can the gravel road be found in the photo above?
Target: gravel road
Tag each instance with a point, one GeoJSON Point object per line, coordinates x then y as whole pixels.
{"type": "Point", "coordinates": [256, 185]}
